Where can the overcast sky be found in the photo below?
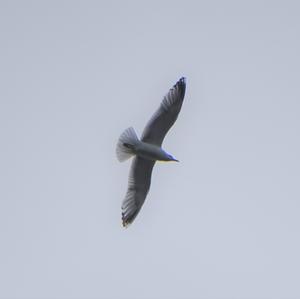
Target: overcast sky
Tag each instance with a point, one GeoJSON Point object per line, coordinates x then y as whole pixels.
{"type": "Point", "coordinates": [221, 224]}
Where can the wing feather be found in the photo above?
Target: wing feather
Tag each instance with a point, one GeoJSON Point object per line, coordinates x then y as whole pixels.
{"type": "Point", "coordinates": [165, 116]}
{"type": "Point", "coordinates": [138, 186]}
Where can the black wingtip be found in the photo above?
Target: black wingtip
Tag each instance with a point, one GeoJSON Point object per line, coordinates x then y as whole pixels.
{"type": "Point", "coordinates": [181, 85]}
{"type": "Point", "coordinates": [182, 80]}
{"type": "Point", "coordinates": [128, 219]}
{"type": "Point", "coordinates": [125, 222]}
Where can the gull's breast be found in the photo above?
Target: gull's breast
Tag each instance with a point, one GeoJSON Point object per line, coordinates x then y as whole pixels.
{"type": "Point", "coordinates": [150, 151]}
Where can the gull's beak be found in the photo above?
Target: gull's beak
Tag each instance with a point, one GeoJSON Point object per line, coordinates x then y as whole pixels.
{"type": "Point", "coordinates": [175, 160]}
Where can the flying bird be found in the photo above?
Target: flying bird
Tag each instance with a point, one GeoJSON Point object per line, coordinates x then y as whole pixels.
{"type": "Point", "coordinates": [147, 150]}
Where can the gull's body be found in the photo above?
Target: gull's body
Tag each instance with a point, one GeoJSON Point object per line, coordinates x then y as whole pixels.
{"type": "Point", "coordinates": [147, 150]}
{"type": "Point", "coordinates": [150, 152]}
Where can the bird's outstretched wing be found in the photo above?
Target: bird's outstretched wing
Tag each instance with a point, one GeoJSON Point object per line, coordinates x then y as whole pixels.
{"type": "Point", "coordinates": [138, 186]}
{"type": "Point", "coordinates": [163, 119]}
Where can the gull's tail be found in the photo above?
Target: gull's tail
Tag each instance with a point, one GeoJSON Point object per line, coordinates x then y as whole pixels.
{"type": "Point", "coordinates": [126, 144]}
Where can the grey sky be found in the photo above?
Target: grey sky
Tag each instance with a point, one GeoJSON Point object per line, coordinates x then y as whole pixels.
{"type": "Point", "coordinates": [222, 223]}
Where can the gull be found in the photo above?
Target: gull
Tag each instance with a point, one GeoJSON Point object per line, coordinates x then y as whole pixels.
{"type": "Point", "coordinates": [147, 150]}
